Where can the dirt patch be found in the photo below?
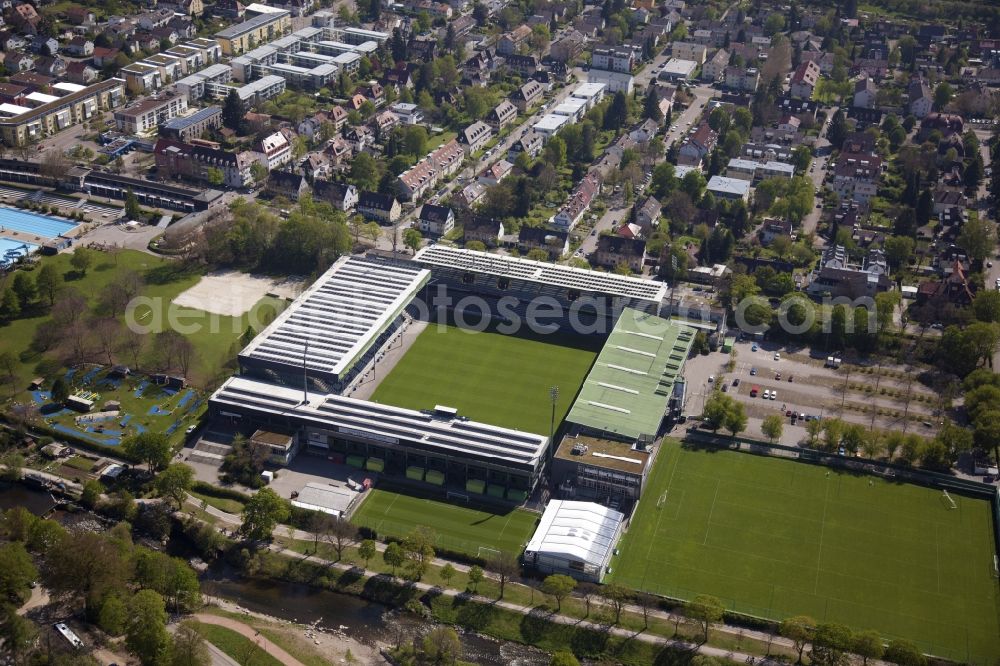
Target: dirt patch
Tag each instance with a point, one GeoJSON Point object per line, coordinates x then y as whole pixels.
{"type": "Point", "coordinates": [233, 294]}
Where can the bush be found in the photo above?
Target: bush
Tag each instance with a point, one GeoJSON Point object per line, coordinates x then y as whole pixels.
{"type": "Point", "coordinates": [222, 493]}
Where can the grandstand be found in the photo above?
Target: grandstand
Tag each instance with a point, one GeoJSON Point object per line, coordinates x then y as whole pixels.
{"type": "Point", "coordinates": [436, 448]}
{"type": "Point", "coordinates": [336, 326]}
{"type": "Point", "coordinates": [577, 291]}
{"type": "Point", "coordinates": [627, 392]}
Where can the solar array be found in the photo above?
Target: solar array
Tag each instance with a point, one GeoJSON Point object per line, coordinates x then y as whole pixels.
{"type": "Point", "coordinates": [383, 423]}
{"type": "Point", "coordinates": [541, 272]}
{"type": "Point", "coordinates": [333, 322]}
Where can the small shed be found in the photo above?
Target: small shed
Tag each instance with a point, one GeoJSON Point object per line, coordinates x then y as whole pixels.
{"type": "Point", "coordinates": [112, 406]}
{"type": "Point", "coordinates": [119, 372]}
{"type": "Point", "coordinates": [79, 403]}
{"type": "Point", "coordinates": [37, 383]}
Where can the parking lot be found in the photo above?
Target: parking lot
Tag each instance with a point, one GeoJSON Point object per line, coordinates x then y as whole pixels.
{"type": "Point", "coordinates": [798, 382]}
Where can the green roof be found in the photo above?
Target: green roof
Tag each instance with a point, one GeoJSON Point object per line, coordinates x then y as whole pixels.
{"type": "Point", "coordinates": [627, 390]}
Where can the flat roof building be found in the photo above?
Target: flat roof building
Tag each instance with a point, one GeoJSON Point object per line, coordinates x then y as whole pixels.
{"type": "Point", "coordinates": [192, 126]}
{"type": "Point", "coordinates": [336, 325]}
{"type": "Point", "coordinates": [550, 123]}
{"type": "Point", "coordinates": [242, 37]}
{"type": "Point", "coordinates": [729, 188]}
{"type": "Point", "coordinates": [576, 539]}
{"type": "Point", "coordinates": [22, 124]}
{"type": "Point", "coordinates": [626, 394]}
{"type": "Point", "coordinates": [433, 446]}
{"type": "Point", "coordinates": [678, 70]}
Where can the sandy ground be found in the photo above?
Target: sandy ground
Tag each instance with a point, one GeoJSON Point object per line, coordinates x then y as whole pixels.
{"type": "Point", "coordinates": [233, 294]}
{"type": "Point", "coordinates": [332, 646]}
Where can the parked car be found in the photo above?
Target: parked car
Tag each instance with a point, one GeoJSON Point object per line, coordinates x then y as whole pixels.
{"type": "Point", "coordinates": [736, 382]}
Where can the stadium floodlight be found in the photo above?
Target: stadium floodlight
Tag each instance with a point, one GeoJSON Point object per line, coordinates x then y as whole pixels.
{"type": "Point", "coordinates": [554, 397]}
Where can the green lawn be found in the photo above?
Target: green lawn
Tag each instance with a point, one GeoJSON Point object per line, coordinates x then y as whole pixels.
{"type": "Point", "coordinates": [462, 528]}
{"type": "Point", "coordinates": [499, 379]}
{"type": "Point", "coordinates": [777, 538]}
{"type": "Point", "coordinates": [237, 646]}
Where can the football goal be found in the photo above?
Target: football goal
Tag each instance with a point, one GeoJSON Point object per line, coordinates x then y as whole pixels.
{"type": "Point", "coordinates": [457, 497]}
{"type": "Point", "coordinates": [485, 552]}
{"type": "Point", "coordinates": [662, 500]}
{"type": "Point", "coordinates": [949, 500]}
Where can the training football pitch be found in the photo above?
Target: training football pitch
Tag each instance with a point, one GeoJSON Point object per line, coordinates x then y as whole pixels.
{"type": "Point", "coordinates": [462, 528]}
{"type": "Point", "coordinates": [498, 379]}
{"type": "Point", "coordinates": [777, 538]}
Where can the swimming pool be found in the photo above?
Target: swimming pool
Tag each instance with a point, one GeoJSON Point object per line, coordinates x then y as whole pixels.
{"type": "Point", "coordinates": [33, 223]}
{"type": "Point", "coordinates": [10, 250]}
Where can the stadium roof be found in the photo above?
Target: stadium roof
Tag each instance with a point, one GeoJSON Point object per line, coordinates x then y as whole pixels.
{"type": "Point", "coordinates": [541, 272]}
{"type": "Point", "coordinates": [582, 531]}
{"type": "Point", "coordinates": [338, 317]}
{"type": "Point", "coordinates": [628, 388]}
{"type": "Point", "coordinates": [383, 424]}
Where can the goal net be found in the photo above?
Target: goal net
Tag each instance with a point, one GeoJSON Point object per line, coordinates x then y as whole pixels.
{"type": "Point", "coordinates": [661, 501]}
{"type": "Point", "coordinates": [485, 552]}
{"type": "Point", "coordinates": [948, 500]}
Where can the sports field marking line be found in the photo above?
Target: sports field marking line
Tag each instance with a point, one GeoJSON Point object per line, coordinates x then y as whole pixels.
{"type": "Point", "coordinates": [394, 498]}
{"type": "Point", "coordinates": [708, 523]}
{"type": "Point", "coordinates": [822, 531]}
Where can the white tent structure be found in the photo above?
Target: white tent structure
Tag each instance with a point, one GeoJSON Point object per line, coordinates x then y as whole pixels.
{"type": "Point", "coordinates": [575, 538]}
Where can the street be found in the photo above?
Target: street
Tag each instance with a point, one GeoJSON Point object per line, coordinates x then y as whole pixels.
{"type": "Point", "coordinates": [817, 174]}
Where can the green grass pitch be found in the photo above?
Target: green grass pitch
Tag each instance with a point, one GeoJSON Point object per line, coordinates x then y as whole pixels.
{"type": "Point", "coordinates": [462, 528]}
{"type": "Point", "coordinates": [499, 379]}
{"type": "Point", "coordinates": [777, 538]}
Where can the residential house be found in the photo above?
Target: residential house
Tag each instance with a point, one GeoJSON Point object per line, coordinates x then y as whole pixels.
{"type": "Point", "coordinates": [578, 203]}
{"type": "Point", "coordinates": [865, 93]}
{"type": "Point", "coordinates": [80, 47]}
{"type": "Point", "coordinates": [342, 196]}
{"type": "Point", "coordinates": [408, 114]}
{"type": "Point", "coordinates": [920, 100]}
{"type": "Point", "coordinates": [11, 41]}
{"type": "Point", "coordinates": [698, 145]}
{"type": "Point", "coordinates": [503, 115]}
{"type": "Point", "coordinates": [804, 80]}
{"type": "Point", "coordinates": [193, 161]}
{"type": "Point", "coordinates": [568, 48]}
{"type": "Point", "coordinates": [725, 187]}
{"type": "Point", "coordinates": [614, 251]}
{"type": "Point", "coordinates": [475, 136]}
{"type": "Point", "coordinates": [54, 66]}
{"type": "Point", "coordinates": [525, 65]}
{"type": "Point", "coordinates": [647, 214]}
{"type": "Point", "coordinates": [436, 220]}
{"type": "Point", "coordinates": [276, 149]}
{"type": "Point", "coordinates": [495, 172]}
{"type": "Point", "coordinates": [79, 15]}
{"type": "Point", "coordinates": [17, 61]}
{"type": "Point", "coordinates": [945, 199]}
{"type": "Point", "coordinates": [482, 229]}
{"type": "Point", "coordinates": [424, 175]}
{"type": "Point", "coordinates": [613, 59]}
{"type": "Point", "coordinates": [741, 79]}
{"type": "Point", "coordinates": [384, 121]}
{"type": "Point", "coordinates": [775, 228]}
{"type": "Point", "coordinates": [645, 131]}
{"type": "Point", "coordinates": [531, 142]}
{"type": "Point", "coordinates": [689, 51]}
{"type": "Point", "coordinates": [467, 197]}
{"type": "Point", "coordinates": [383, 208]}
{"type": "Point", "coordinates": [360, 138]}
{"type": "Point", "coordinates": [789, 123]}
{"type": "Point", "coordinates": [26, 19]}
{"type": "Point", "coordinates": [837, 277]}
{"type": "Point", "coordinates": [527, 96]}
{"type": "Point", "coordinates": [286, 184]}
{"type": "Point", "coordinates": [855, 177]}
{"type": "Point", "coordinates": [511, 42]}
{"type": "Point", "coordinates": [44, 45]}
{"type": "Point", "coordinates": [715, 67]}
{"type": "Point", "coordinates": [338, 116]}
{"type": "Point", "coordinates": [554, 242]}
{"type": "Point", "coordinates": [104, 56]}
{"type": "Point", "coordinates": [81, 73]}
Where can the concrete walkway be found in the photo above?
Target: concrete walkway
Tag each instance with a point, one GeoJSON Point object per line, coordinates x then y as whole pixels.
{"type": "Point", "coordinates": [250, 633]}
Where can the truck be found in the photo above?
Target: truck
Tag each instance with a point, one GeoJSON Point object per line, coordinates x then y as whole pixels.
{"type": "Point", "coordinates": [832, 362]}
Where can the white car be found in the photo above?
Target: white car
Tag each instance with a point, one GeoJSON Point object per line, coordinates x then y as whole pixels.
{"type": "Point", "coordinates": [774, 395]}
{"type": "Point", "coordinates": [766, 394]}
{"type": "Point", "coordinates": [777, 356]}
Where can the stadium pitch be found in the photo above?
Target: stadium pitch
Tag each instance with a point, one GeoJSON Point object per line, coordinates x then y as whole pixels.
{"type": "Point", "coordinates": [776, 538]}
{"type": "Point", "coordinates": [498, 379]}
{"type": "Point", "coordinates": [459, 527]}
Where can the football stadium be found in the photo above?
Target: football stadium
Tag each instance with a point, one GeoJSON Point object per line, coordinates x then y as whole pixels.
{"type": "Point", "coordinates": [520, 406]}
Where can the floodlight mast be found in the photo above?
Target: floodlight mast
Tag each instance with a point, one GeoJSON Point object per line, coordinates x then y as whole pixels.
{"type": "Point", "coordinates": [305, 373]}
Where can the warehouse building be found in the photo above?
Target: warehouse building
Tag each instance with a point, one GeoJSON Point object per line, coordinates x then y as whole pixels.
{"type": "Point", "coordinates": [336, 326]}
{"type": "Point", "coordinates": [575, 539]}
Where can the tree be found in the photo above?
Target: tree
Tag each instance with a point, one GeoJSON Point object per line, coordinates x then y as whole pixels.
{"type": "Point", "coordinates": [830, 643]}
{"type": "Point", "coordinates": [340, 534]}
{"type": "Point", "coordinates": [24, 286]}
{"type": "Point", "coordinates": [82, 565]}
{"type": "Point", "coordinates": [447, 573]}
{"type": "Point", "coordinates": [146, 631]}
{"type": "Point", "coordinates": [49, 281]}
{"type": "Point", "coordinates": [663, 181]}
{"type": "Point", "coordinates": [214, 176]}
{"type": "Point", "coordinates": [651, 105]}
{"type": "Point", "coordinates": [10, 308]}
{"type": "Point", "coordinates": [617, 114]}
{"type": "Point", "coordinates": [113, 615]}
{"type": "Point", "coordinates": [174, 482]}
{"type": "Point", "coordinates": [504, 566]}
{"type": "Point", "coordinates": [987, 305]}
{"type": "Point", "coordinates": [365, 172]}
{"type": "Point", "coordinates": [564, 658]}
{"type": "Point", "coordinates": [132, 210]}
{"type": "Point", "coordinates": [942, 95]}
{"type": "Point", "coordinates": [367, 550]}
{"type": "Point", "coordinates": [716, 408]}
{"type": "Point", "coordinates": [91, 495]}
{"type": "Point", "coordinates": [868, 645]}
{"type": "Point", "coordinates": [475, 577]}
{"type": "Point", "coordinates": [82, 259]}
{"type": "Point", "coordinates": [772, 427]}
{"type": "Point", "coordinates": [898, 250]}
{"type": "Point", "coordinates": [19, 634]}
{"type": "Point", "coordinates": [538, 254]}
{"type": "Point", "coordinates": [150, 448]}
{"type": "Point", "coordinates": [17, 571]}
{"type": "Point", "coordinates": [617, 597]}
{"type": "Point", "coordinates": [555, 151]}
{"type": "Point", "coordinates": [189, 648]}
{"type": "Point", "coordinates": [558, 586]}
{"type": "Point", "coordinates": [736, 418]}
{"type": "Point", "coordinates": [233, 112]}
{"type": "Point", "coordinates": [706, 610]}
{"type": "Point", "coordinates": [837, 131]}
{"type": "Point", "coordinates": [442, 646]}
{"type": "Point", "coordinates": [799, 630]}
{"type": "Point", "coordinates": [394, 556]}
{"type": "Point", "coordinates": [412, 239]}
{"type": "Point", "coordinates": [262, 513]}
{"type": "Point", "coordinates": [259, 172]}
{"type": "Point", "coordinates": [904, 653]}
{"type": "Point", "coordinates": [978, 238]}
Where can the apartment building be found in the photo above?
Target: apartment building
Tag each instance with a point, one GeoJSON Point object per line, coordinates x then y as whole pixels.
{"type": "Point", "coordinates": [185, 128]}
{"type": "Point", "coordinates": [20, 125]}
{"type": "Point", "coordinates": [689, 51]}
{"type": "Point", "coordinates": [242, 37]}
{"type": "Point", "coordinates": [147, 114]}
{"type": "Point", "coordinates": [177, 159]}
{"type": "Point", "coordinates": [613, 59]}
{"type": "Point", "coordinates": [425, 174]}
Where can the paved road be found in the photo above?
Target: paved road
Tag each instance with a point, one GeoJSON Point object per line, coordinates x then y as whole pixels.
{"type": "Point", "coordinates": [817, 173]}
{"type": "Point", "coordinates": [252, 634]}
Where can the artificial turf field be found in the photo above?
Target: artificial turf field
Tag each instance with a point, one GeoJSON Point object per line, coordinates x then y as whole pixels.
{"type": "Point", "coordinates": [499, 379]}
{"type": "Point", "coordinates": [777, 538]}
{"type": "Point", "coordinates": [459, 528]}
